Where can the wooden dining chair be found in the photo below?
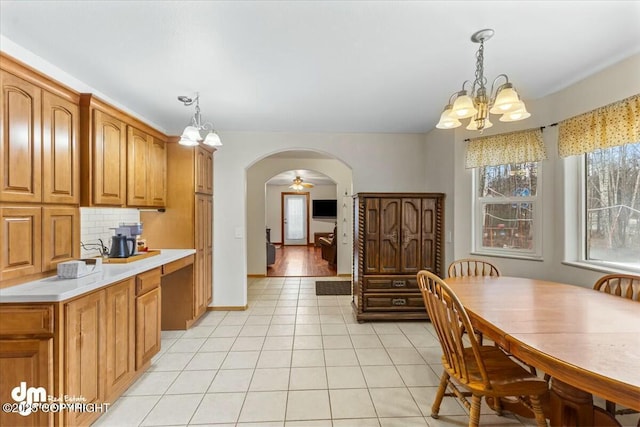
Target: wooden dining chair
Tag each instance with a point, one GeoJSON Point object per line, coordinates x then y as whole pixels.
{"type": "Point", "coordinates": [622, 285]}
{"type": "Point", "coordinates": [626, 286]}
{"type": "Point", "coordinates": [472, 267]}
{"type": "Point", "coordinates": [478, 370]}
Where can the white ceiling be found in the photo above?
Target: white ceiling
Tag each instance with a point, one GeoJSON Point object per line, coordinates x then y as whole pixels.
{"type": "Point", "coordinates": [316, 66]}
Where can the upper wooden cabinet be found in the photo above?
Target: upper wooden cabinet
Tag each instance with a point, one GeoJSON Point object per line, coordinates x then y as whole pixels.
{"type": "Point", "coordinates": [146, 169]}
{"type": "Point", "coordinates": [60, 156]}
{"type": "Point", "coordinates": [204, 170]}
{"type": "Point", "coordinates": [123, 161]}
{"type": "Point", "coordinates": [20, 240]}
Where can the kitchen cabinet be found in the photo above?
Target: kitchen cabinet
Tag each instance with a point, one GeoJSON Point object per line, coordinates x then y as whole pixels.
{"type": "Point", "coordinates": [122, 159]}
{"type": "Point", "coordinates": [60, 156]}
{"type": "Point", "coordinates": [148, 316]}
{"type": "Point", "coordinates": [396, 235]}
{"type": "Point", "coordinates": [21, 154]}
{"type": "Point", "coordinates": [190, 204]}
{"type": "Point", "coordinates": [120, 329]}
{"type": "Point", "coordinates": [146, 169]}
{"type": "Point", "coordinates": [40, 125]}
{"type": "Point", "coordinates": [60, 235]}
{"type": "Point", "coordinates": [20, 241]}
{"type": "Point", "coordinates": [85, 346]}
{"type": "Point", "coordinates": [36, 238]}
{"type": "Point", "coordinates": [26, 354]}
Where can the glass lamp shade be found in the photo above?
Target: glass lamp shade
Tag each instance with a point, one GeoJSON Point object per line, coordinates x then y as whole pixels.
{"type": "Point", "coordinates": [192, 133]}
{"type": "Point", "coordinates": [463, 106]}
{"type": "Point", "coordinates": [188, 142]}
{"type": "Point", "coordinates": [448, 120]}
{"type": "Point", "coordinates": [507, 100]}
{"type": "Point", "coordinates": [473, 125]}
{"type": "Point", "coordinates": [212, 140]}
{"type": "Point", "coordinates": [513, 116]}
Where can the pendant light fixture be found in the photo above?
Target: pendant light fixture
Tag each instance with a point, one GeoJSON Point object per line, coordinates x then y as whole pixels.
{"type": "Point", "coordinates": [192, 135]}
{"type": "Point", "coordinates": [477, 104]}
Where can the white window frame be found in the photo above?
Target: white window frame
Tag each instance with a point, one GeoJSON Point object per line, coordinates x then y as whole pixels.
{"type": "Point", "coordinates": [477, 204]}
{"type": "Point", "coordinates": [575, 253]}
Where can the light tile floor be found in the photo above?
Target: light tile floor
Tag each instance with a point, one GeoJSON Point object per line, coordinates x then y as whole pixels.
{"type": "Point", "coordinates": [295, 359]}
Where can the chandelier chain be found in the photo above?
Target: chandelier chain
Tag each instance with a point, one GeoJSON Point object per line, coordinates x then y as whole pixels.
{"type": "Point", "coordinates": [480, 81]}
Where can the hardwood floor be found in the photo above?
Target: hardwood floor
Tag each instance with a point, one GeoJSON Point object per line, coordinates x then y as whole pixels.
{"type": "Point", "coordinates": [300, 261]}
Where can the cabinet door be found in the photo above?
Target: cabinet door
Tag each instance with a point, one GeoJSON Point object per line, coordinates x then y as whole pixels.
{"type": "Point", "coordinates": [430, 235]}
{"type": "Point", "coordinates": [21, 151]}
{"type": "Point", "coordinates": [29, 361]}
{"type": "Point", "coordinates": [202, 228]}
{"type": "Point", "coordinates": [410, 239]}
{"type": "Point", "coordinates": [204, 170]}
{"type": "Point", "coordinates": [61, 160]}
{"type": "Point", "coordinates": [109, 160]}
{"type": "Point", "coordinates": [84, 353]}
{"type": "Point", "coordinates": [157, 173]}
{"type": "Point", "coordinates": [371, 235]}
{"type": "Point", "coordinates": [138, 189]}
{"type": "Point", "coordinates": [120, 336]}
{"type": "Point", "coordinates": [390, 220]}
{"type": "Point", "coordinates": [148, 325]}
{"type": "Point", "coordinates": [60, 236]}
{"type": "Point", "coordinates": [208, 254]}
{"type": "Point", "coordinates": [20, 250]}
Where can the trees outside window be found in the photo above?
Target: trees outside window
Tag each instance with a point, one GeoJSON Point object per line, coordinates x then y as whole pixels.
{"type": "Point", "coordinates": [612, 229]}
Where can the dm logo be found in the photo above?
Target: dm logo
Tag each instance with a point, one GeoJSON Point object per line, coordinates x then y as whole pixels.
{"type": "Point", "coordinates": [27, 397]}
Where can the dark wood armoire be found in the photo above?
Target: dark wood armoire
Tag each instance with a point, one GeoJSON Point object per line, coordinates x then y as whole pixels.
{"type": "Point", "coordinates": [396, 235]}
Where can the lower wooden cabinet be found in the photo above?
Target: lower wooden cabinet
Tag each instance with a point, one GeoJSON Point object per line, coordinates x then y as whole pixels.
{"type": "Point", "coordinates": [26, 356]}
{"type": "Point", "coordinates": [120, 338]}
{"type": "Point", "coordinates": [148, 316]}
{"type": "Point", "coordinates": [85, 346]}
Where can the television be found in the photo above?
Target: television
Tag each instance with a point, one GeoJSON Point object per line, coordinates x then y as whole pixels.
{"type": "Point", "coordinates": [324, 209]}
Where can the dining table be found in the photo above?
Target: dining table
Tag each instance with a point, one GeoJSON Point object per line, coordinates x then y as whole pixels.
{"type": "Point", "coordinates": [587, 341]}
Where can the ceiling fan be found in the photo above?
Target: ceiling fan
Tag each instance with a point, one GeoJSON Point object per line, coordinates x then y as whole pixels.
{"type": "Point", "coordinates": [299, 185]}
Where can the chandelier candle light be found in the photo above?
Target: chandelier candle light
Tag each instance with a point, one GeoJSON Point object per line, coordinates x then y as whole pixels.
{"type": "Point", "coordinates": [478, 104]}
{"type": "Point", "coordinates": [191, 135]}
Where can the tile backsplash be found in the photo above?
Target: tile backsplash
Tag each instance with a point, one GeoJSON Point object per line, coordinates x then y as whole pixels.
{"type": "Point", "coordinates": [96, 223]}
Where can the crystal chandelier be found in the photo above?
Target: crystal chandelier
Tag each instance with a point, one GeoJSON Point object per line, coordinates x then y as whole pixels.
{"type": "Point", "coordinates": [191, 135]}
{"type": "Point", "coordinates": [478, 104]}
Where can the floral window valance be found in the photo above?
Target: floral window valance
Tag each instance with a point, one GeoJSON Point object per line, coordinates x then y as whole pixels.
{"type": "Point", "coordinates": [513, 147]}
{"type": "Point", "coordinates": [609, 126]}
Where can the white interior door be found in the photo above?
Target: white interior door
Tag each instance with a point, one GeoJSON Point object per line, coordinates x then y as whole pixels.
{"type": "Point", "coordinates": [294, 218]}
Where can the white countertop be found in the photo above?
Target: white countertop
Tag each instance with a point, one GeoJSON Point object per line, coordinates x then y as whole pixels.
{"type": "Point", "coordinates": [53, 289]}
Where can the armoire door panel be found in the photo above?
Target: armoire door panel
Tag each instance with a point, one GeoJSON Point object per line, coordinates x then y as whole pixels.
{"type": "Point", "coordinates": [61, 160]}
{"type": "Point", "coordinates": [20, 242]}
{"type": "Point", "coordinates": [60, 235]}
{"type": "Point", "coordinates": [390, 235]}
{"type": "Point", "coordinates": [371, 236]}
{"type": "Point", "coordinates": [429, 235]}
{"type": "Point", "coordinates": [21, 151]}
{"type": "Point", "coordinates": [411, 218]}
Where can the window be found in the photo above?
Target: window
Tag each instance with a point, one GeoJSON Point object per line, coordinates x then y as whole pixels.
{"type": "Point", "coordinates": [612, 202]}
{"type": "Point", "coordinates": [507, 210]}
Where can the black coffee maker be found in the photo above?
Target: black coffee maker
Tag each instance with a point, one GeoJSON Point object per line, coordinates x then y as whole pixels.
{"type": "Point", "coordinates": [122, 246]}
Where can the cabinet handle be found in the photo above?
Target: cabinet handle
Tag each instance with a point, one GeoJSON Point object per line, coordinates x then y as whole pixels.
{"type": "Point", "coordinates": [399, 301]}
{"type": "Point", "coordinates": [399, 283]}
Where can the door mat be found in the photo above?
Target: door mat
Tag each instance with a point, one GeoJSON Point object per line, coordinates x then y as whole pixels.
{"type": "Point", "coordinates": [333, 287]}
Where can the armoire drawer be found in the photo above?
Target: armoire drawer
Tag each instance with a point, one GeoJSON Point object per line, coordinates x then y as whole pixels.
{"type": "Point", "coordinates": [390, 283]}
{"type": "Point", "coordinates": [393, 302]}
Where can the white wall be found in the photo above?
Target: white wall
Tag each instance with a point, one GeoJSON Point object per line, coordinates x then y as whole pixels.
{"type": "Point", "coordinates": [274, 209]}
{"type": "Point", "coordinates": [378, 162]}
{"type": "Point", "coordinates": [612, 84]}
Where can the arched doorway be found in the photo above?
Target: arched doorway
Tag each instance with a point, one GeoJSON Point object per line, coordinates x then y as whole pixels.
{"type": "Point", "coordinates": [260, 204]}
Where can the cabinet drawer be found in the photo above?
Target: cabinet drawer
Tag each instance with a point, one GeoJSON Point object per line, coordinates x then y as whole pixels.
{"type": "Point", "coordinates": [390, 283]}
{"type": "Point", "coordinates": [26, 320]}
{"type": "Point", "coordinates": [147, 281]}
{"type": "Point", "coordinates": [177, 265]}
{"type": "Point", "coordinates": [394, 302]}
